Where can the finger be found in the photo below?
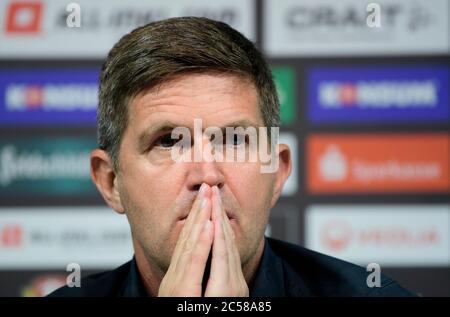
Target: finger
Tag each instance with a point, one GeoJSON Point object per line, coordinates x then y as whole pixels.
{"type": "Point", "coordinates": [185, 274]}
{"type": "Point", "coordinates": [196, 207]}
{"type": "Point", "coordinates": [229, 235]}
{"type": "Point", "coordinates": [196, 265]}
{"type": "Point", "coordinates": [233, 261]}
{"type": "Point", "coordinates": [190, 244]}
{"type": "Point", "coordinates": [219, 262]}
{"type": "Point", "coordinates": [234, 256]}
{"type": "Point", "coordinates": [226, 277]}
{"type": "Point", "coordinates": [216, 208]}
{"type": "Point", "coordinates": [235, 265]}
{"type": "Point", "coordinates": [198, 214]}
{"type": "Point", "coordinates": [221, 214]}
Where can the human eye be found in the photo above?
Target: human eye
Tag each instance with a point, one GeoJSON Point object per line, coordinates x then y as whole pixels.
{"type": "Point", "coordinates": [165, 141]}
{"type": "Point", "coordinates": [239, 139]}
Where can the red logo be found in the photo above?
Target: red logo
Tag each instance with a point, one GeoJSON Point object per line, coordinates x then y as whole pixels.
{"type": "Point", "coordinates": [24, 17]}
{"type": "Point", "coordinates": [11, 236]}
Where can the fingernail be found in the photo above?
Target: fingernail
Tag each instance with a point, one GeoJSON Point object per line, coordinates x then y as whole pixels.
{"type": "Point", "coordinates": [202, 191]}
{"type": "Point", "coordinates": [204, 202]}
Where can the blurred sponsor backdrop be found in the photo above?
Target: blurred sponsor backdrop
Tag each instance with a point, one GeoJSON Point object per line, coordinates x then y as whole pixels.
{"type": "Point", "coordinates": [365, 109]}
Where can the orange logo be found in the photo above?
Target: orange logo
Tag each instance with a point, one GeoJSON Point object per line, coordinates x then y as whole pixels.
{"type": "Point", "coordinates": [378, 163]}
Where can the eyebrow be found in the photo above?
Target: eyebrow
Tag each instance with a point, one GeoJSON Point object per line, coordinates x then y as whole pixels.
{"type": "Point", "coordinates": [168, 126]}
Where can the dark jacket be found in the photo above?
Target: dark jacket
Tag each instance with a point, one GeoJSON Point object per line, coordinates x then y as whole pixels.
{"type": "Point", "coordinates": [285, 270]}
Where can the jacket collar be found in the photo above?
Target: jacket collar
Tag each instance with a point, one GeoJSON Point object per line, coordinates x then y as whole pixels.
{"type": "Point", "coordinates": [274, 278]}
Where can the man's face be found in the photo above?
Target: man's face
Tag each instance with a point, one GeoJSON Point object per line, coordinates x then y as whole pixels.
{"type": "Point", "coordinates": [157, 193]}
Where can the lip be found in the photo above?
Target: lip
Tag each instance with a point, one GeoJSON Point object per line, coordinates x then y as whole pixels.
{"type": "Point", "coordinates": [229, 213]}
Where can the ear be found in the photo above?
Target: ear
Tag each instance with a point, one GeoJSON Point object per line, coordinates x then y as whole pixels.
{"type": "Point", "coordinates": [283, 172]}
{"type": "Point", "coordinates": [105, 179]}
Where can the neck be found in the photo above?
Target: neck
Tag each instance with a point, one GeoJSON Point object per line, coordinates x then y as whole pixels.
{"type": "Point", "coordinates": [152, 274]}
{"type": "Point", "coordinates": [251, 266]}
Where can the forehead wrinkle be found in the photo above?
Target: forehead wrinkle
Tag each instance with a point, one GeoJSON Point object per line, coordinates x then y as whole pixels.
{"type": "Point", "coordinates": [176, 88]}
{"type": "Point", "coordinates": [193, 110]}
{"type": "Point", "coordinates": [166, 100]}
